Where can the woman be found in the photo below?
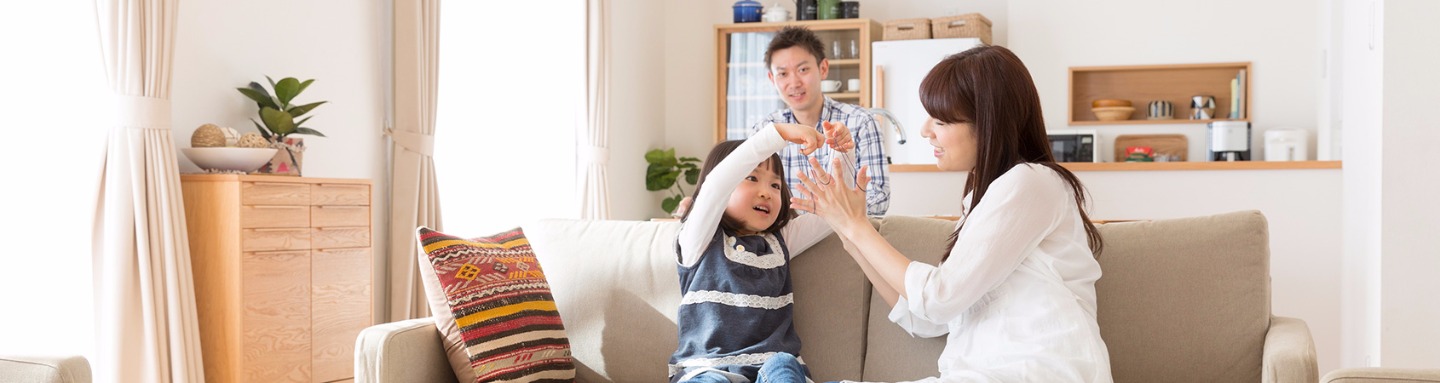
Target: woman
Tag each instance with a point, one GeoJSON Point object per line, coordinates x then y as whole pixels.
{"type": "Point", "coordinates": [1015, 291]}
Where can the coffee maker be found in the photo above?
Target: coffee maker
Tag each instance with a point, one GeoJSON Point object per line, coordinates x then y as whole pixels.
{"type": "Point", "coordinates": [1229, 140]}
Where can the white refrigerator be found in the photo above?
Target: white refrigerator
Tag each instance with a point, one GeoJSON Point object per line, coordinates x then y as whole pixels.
{"type": "Point", "coordinates": [896, 69]}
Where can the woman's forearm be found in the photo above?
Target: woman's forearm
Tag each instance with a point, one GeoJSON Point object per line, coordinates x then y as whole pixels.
{"type": "Point", "coordinates": [887, 264]}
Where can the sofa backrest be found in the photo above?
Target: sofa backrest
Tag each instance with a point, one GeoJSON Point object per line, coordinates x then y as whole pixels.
{"type": "Point", "coordinates": [1186, 300]}
{"type": "Point", "coordinates": [1181, 300]}
{"type": "Point", "coordinates": [616, 287]}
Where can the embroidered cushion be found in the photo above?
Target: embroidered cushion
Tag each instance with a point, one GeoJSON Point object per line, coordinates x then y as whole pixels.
{"type": "Point", "coordinates": [492, 302]}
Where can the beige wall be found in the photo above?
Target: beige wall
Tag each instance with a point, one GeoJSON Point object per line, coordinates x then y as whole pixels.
{"type": "Point", "coordinates": [336, 42]}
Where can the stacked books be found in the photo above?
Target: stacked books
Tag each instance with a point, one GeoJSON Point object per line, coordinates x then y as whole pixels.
{"type": "Point", "coordinates": [1237, 96]}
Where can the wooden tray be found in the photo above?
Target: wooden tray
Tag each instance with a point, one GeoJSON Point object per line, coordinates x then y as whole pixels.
{"type": "Point", "coordinates": [1170, 144]}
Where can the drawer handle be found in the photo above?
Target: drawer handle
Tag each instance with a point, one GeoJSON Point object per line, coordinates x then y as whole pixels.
{"type": "Point", "coordinates": [298, 230]}
{"type": "Point", "coordinates": [275, 184]}
{"type": "Point", "coordinates": [276, 207]}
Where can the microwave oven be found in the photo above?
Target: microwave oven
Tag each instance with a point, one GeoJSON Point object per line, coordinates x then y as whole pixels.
{"type": "Point", "coordinates": [1074, 146]}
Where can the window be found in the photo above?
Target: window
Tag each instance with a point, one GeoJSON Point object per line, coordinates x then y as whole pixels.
{"type": "Point", "coordinates": [57, 112]}
{"type": "Point", "coordinates": [511, 104]}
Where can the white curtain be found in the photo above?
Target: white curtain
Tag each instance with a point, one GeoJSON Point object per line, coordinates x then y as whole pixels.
{"type": "Point", "coordinates": [146, 326]}
{"type": "Point", "coordinates": [414, 197]}
{"type": "Point", "coordinates": [595, 155]}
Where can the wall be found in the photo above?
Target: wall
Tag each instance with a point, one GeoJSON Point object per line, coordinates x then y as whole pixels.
{"type": "Point", "coordinates": [689, 60]}
{"type": "Point", "coordinates": [638, 104]}
{"type": "Point", "coordinates": [1408, 212]}
{"type": "Point", "coordinates": [1361, 111]}
{"type": "Point", "coordinates": [336, 42]}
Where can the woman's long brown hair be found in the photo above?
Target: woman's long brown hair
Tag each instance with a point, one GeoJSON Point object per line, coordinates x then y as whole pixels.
{"type": "Point", "coordinates": [991, 88]}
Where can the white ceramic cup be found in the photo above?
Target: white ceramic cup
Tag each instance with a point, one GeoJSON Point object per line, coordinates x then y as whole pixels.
{"type": "Point", "coordinates": [830, 85]}
{"type": "Point", "coordinates": [854, 85]}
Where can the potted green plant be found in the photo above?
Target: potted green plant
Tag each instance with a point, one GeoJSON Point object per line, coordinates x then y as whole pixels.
{"type": "Point", "coordinates": [665, 172]}
{"type": "Point", "coordinates": [277, 121]}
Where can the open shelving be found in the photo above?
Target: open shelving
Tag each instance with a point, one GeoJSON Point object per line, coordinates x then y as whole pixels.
{"type": "Point", "coordinates": [1141, 84]}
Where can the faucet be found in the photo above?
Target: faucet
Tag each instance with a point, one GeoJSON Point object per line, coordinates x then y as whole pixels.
{"type": "Point", "coordinates": [880, 114]}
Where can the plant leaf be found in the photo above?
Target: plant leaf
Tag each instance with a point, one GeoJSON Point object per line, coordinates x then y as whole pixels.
{"type": "Point", "coordinates": [689, 159]}
{"type": "Point", "coordinates": [692, 176]}
{"type": "Point", "coordinates": [669, 204]}
{"type": "Point", "coordinates": [302, 109]}
{"type": "Point", "coordinates": [309, 131]}
{"type": "Point", "coordinates": [660, 177]}
{"type": "Point", "coordinates": [654, 156]}
{"type": "Point", "coordinates": [286, 90]}
{"type": "Point", "coordinates": [300, 123]}
{"type": "Point", "coordinates": [272, 82]}
{"type": "Point", "coordinates": [263, 132]}
{"type": "Point", "coordinates": [279, 122]}
{"type": "Point", "coordinates": [303, 85]}
{"type": "Point", "coordinates": [261, 98]}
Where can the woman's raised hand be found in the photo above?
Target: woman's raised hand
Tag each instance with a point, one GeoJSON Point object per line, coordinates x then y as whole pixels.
{"type": "Point", "coordinates": [838, 136]}
{"type": "Point", "coordinates": [837, 203]}
{"type": "Point", "coordinates": [806, 136]}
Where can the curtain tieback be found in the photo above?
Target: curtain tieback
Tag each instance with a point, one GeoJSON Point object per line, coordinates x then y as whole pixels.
{"type": "Point", "coordinates": [595, 155]}
{"type": "Point", "coordinates": [424, 144]}
{"type": "Point", "coordinates": [140, 112]}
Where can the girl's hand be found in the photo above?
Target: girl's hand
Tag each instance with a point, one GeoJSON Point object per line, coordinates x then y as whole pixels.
{"type": "Point", "coordinates": [840, 206]}
{"type": "Point", "coordinates": [838, 136]}
{"type": "Point", "coordinates": [809, 139]}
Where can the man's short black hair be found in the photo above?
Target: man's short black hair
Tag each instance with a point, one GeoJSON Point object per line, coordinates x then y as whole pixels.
{"type": "Point", "coordinates": [795, 37]}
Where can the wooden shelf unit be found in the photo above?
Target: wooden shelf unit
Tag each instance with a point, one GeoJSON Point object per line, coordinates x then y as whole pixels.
{"type": "Point", "coordinates": [282, 271]}
{"type": "Point", "coordinates": [1141, 84]}
{"type": "Point", "coordinates": [863, 31]}
{"type": "Point", "coordinates": [1161, 166]}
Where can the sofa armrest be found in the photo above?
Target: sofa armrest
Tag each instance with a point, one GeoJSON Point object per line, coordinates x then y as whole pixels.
{"type": "Point", "coordinates": [44, 369]}
{"type": "Point", "coordinates": [1381, 375]}
{"type": "Point", "coordinates": [1289, 354]}
{"type": "Point", "coordinates": [402, 352]}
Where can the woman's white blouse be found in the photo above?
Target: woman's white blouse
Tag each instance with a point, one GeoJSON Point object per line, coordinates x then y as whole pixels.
{"type": "Point", "coordinates": [1017, 295]}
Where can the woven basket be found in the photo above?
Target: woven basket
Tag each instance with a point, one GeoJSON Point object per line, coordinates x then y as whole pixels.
{"type": "Point", "coordinates": [966, 25]}
{"type": "Point", "coordinates": [907, 29]}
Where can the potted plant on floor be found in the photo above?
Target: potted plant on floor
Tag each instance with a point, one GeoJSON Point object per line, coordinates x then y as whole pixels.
{"type": "Point", "coordinates": [277, 122]}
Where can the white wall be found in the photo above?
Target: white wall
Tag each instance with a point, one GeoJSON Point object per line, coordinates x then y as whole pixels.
{"type": "Point", "coordinates": [1408, 215]}
{"type": "Point", "coordinates": [221, 45]}
{"type": "Point", "coordinates": [1360, 110]}
{"type": "Point", "coordinates": [637, 102]}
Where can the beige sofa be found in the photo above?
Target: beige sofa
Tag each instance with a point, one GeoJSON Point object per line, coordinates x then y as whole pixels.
{"type": "Point", "coordinates": [44, 369]}
{"type": "Point", "coordinates": [1183, 300]}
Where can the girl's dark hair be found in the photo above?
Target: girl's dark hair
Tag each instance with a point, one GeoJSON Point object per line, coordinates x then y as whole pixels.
{"type": "Point", "coordinates": [718, 154]}
{"type": "Point", "coordinates": [990, 87]}
{"type": "Point", "coordinates": [795, 37]}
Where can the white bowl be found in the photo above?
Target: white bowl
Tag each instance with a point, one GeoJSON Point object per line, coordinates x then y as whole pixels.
{"type": "Point", "coordinates": [237, 159]}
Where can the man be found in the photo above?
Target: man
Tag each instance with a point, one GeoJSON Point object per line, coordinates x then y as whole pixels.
{"type": "Point", "coordinates": [797, 64]}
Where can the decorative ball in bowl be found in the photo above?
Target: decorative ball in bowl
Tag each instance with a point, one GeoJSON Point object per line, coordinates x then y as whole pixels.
{"type": "Point", "coordinates": [1113, 113]}
{"type": "Point", "coordinates": [223, 158]}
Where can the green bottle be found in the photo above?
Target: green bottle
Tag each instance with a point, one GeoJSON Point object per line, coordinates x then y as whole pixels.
{"type": "Point", "coordinates": [829, 9]}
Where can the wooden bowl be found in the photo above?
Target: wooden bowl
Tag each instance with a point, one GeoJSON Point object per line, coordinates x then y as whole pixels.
{"type": "Point", "coordinates": [1113, 113]}
{"type": "Point", "coordinates": [1107, 102]}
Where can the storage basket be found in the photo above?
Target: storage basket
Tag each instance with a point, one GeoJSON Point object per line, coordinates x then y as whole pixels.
{"type": "Point", "coordinates": [907, 29]}
{"type": "Point", "coordinates": [966, 25]}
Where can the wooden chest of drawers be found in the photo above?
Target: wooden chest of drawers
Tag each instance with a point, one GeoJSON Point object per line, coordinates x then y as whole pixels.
{"type": "Point", "coordinates": [282, 274]}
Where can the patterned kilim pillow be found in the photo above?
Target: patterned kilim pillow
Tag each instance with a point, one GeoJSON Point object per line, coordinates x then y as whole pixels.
{"type": "Point", "coordinates": [501, 305]}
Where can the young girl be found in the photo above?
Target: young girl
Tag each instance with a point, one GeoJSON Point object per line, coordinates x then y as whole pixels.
{"type": "Point", "coordinates": [735, 245]}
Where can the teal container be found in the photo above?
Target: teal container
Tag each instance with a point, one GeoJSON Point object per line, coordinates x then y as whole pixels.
{"type": "Point", "coordinates": [828, 9]}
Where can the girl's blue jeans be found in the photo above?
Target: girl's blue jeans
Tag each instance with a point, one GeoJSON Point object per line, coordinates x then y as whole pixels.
{"type": "Point", "coordinates": [781, 368]}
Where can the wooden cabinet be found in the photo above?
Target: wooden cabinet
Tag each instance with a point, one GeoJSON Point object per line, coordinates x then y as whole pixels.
{"type": "Point", "coordinates": [1141, 84]}
{"type": "Point", "coordinates": [744, 94]}
{"type": "Point", "coordinates": [282, 274]}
